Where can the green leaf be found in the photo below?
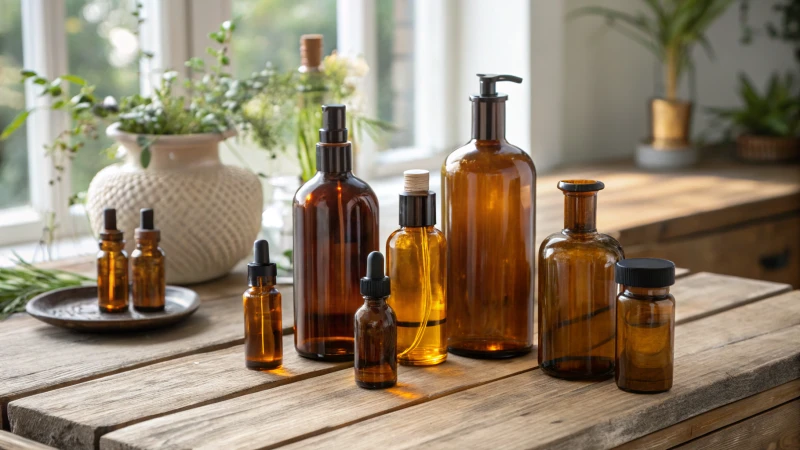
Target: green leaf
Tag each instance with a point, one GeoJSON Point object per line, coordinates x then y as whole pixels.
{"type": "Point", "coordinates": [27, 74]}
{"type": "Point", "coordinates": [40, 80]}
{"type": "Point", "coordinates": [144, 144]}
{"type": "Point", "coordinates": [16, 123]}
{"type": "Point", "coordinates": [74, 79]}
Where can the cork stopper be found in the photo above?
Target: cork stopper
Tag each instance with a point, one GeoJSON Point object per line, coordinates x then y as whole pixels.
{"type": "Point", "coordinates": [416, 180]}
{"type": "Point", "coordinates": [311, 50]}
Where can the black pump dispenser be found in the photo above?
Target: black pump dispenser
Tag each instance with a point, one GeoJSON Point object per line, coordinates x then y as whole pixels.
{"type": "Point", "coordinates": [489, 108]}
{"type": "Point", "coordinates": [261, 267]}
{"type": "Point", "coordinates": [375, 284]}
{"type": "Point", "coordinates": [334, 153]}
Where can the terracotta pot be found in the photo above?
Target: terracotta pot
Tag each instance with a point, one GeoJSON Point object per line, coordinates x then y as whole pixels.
{"type": "Point", "coordinates": [209, 214]}
{"type": "Point", "coordinates": [670, 124]}
{"type": "Point", "coordinates": [767, 148]}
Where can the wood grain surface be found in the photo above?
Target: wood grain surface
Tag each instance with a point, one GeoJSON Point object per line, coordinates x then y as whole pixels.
{"type": "Point", "coordinates": [9, 441]}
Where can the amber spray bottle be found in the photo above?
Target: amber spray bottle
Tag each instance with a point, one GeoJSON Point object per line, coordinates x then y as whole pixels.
{"type": "Point", "coordinates": [112, 266]}
{"type": "Point", "coordinates": [263, 328]}
{"type": "Point", "coordinates": [489, 195]}
{"type": "Point", "coordinates": [147, 263]}
{"type": "Point", "coordinates": [335, 228]}
{"type": "Point", "coordinates": [375, 330]}
{"type": "Point", "coordinates": [416, 260]}
{"type": "Point", "coordinates": [577, 291]}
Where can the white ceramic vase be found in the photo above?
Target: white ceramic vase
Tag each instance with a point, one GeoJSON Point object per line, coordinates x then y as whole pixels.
{"type": "Point", "coordinates": [209, 214]}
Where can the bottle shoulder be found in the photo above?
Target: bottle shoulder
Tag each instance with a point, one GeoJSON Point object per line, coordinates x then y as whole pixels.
{"type": "Point", "coordinates": [320, 189]}
{"type": "Point", "coordinates": [480, 155]}
{"type": "Point", "coordinates": [594, 244]}
{"type": "Point", "coordinates": [414, 234]}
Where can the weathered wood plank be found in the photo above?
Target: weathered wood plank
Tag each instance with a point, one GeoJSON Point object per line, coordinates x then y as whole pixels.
{"type": "Point", "coordinates": [9, 441]}
{"type": "Point", "coordinates": [776, 428]}
{"type": "Point", "coordinates": [715, 419]}
{"type": "Point", "coordinates": [719, 359]}
{"type": "Point", "coordinates": [76, 416]}
{"type": "Point", "coordinates": [310, 407]}
{"type": "Point", "coordinates": [38, 357]}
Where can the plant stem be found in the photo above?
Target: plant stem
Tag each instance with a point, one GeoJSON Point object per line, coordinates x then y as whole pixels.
{"type": "Point", "coordinates": [671, 68]}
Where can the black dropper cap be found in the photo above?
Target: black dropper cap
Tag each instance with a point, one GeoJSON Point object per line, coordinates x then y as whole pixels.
{"type": "Point", "coordinates": [261, 267]}
{"type": "Point", "coordinates": [334, 124]}
{"type": "Point", "coordinates": [645, 272]}
{"type": "Point", "coordinates": [375, 284]}
{"type": "Point", "coordinates": [146, 219]}
{"type": "Point", "coordinates": [488, 107]}
{"type": "Point", "coordinates": [110, 231]}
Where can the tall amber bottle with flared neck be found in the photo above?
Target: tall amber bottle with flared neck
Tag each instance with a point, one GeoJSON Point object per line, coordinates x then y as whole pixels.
{"type": "Point", "coordinates": [416, 261]}
{"type": "Point", "coordinates": [147, 265]}
{"type": "Point", "coordinates": [577, 291]}
{"type": "Point", "coordinates": [489, 189]}
{"type": "Point", "coordinates": [112, 267]}
{"type": "Point", "coordinates": [335, 228]}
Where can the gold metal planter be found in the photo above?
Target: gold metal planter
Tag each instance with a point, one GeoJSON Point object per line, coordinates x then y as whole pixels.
{"type": "Point", "coordinates": [670, 124]}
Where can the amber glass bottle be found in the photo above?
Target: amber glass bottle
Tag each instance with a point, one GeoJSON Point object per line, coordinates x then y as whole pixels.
{"type": "Point", "coordinates": [112, 267]}
{"type": "Point", "coordinates": [577, 290]}
{"type": "Point", "coordinates": [375, 330]}
{"type": "Point", "coordinates": [415, 256]}
{"type": "Point", "coordinates": [645, 325]}
{"type": "Point", "coordinates": [335, 228]}
{"type": "Point", "coordinates": [489, 193]}
{"type": "Point", "coordinates": [263, 329]}
{"type": "Point", "coordinates": [147, 263]}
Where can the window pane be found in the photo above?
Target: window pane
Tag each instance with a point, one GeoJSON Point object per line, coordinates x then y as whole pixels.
{"type": "Point", "coordinates": [396, 69]}
{"type": "Point", "coordinates": [103, 50]}
{"type": "Point", "coordinates": [270, 30]}
{"type": "Point", "coordinates": [13, 152]}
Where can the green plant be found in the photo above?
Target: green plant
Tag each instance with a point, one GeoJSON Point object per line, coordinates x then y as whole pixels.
{"type": "Point", "coordinates": [787, 28]}
{"type": "Point", "coordinates": [776, 113]}
{"type": "Point", "coordinates": [670, 31]}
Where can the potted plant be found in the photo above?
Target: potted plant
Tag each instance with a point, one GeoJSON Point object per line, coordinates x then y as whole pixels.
{"type": "Point", "coordinates": [670, 32]}
{"type": "Point", "coordinates": [767, 125]}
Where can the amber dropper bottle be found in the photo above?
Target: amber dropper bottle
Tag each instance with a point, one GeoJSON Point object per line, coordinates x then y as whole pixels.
{"type": "Point", "coordinates": [112, 267]}
{"type": "Point", "coordinates": [416, 258]}
{"type": "Point", "coordinates": [263, 330]}
{"type": "Point", "coordinates": [148, 266]}
{"type": "Point", "coordinates": [375, 330]}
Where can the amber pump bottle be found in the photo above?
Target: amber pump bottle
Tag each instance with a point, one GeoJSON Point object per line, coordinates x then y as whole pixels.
{"type": "Point", "coordinates": [147, 263]}
{"type": "Point", "coordinates": [375, 330]}
{"type": "Point", "coordinates": [263, 329]}
{"type": "Point", "coordinates": [112, 266]}
{"type": "Point", "coordinates": [335, 228]}
{"type": "Point", "coordinates": [416, 260]}
{"type": "Point", "coordinates": [489, 189]}
{"type": "Point", "coordinates": [645, 325]}
{"type": "Point", "coordinates": [577, 290]}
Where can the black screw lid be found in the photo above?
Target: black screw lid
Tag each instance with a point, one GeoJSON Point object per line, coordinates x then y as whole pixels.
{"type": "Point", "coordinates": [375, 284]}
{"type": "Point", "coordinates": [645, 272]}
{"type": "Point", "coordinates": [260, 267]}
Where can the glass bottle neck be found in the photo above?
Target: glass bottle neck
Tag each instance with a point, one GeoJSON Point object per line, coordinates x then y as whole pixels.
{"type": "Point", "coordinates": [639, 292]}
{"type": "Point", "coordinates": [580, 212]}
{"type": "Point", "coordinates": [375, 301]}
{"type": "Point", "coordinates": [147, 244]}
{"type": "Point", "coordinates": [261, 284]}
{"type": "Point", "coordinates": [489, 120]}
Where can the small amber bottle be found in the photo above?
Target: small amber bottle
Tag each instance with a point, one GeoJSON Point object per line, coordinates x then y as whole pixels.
{"type": "Point", "coordinates": [147, 262]}
{"type": "Point", "coordinates": [416, 258]}
{"type": "Point", "coordinates": [375, 330]}
{"type": "Point", "coordinates": [645, 325]}
{"type": "Point", "coordinates": [112, 267]}
{"type": "Point", "coordinates": [263, 329]}
{"type": "Point", "coordinates": [577, 292]}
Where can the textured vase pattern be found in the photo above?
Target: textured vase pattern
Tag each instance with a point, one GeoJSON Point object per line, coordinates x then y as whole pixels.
{"type": "Point", "coordinates": [209, 214]}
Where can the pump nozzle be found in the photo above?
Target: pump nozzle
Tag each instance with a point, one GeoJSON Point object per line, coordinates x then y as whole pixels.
{"type": "Point", "coordinates": [334, 124]}
{"type": "Point", "coordinates": [489, 83]}
{"type": "Point", "coordinates": [375, 284]}
{"type": "Point", "coordinates": [261, 267]}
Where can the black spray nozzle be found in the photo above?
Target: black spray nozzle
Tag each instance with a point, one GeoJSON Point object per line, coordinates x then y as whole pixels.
{"type": "Point", "coordinates": [261, 267]}
{"type": "Point", "coordinates": [489, 83]}
{"type": "Point", "coordinates": [334, 124]}
{"type": "Point", "coordinates": [110, 219]}
{"type": "Point", "coordinates": [376, 284]}
{"type": "Point", "coordinates": [146, 219]}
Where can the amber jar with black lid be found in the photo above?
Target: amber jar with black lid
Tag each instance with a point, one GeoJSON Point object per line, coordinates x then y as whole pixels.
{"type": "Point", "coordinates": [645, 325]}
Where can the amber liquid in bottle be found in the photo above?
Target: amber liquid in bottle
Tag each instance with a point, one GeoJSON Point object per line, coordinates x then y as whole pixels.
{"type": "Point", "coordinates": [375, 331]}
{"type": "Point", "coordinates": [577, 291]}
{"type": "Point", "coordinates": [489, 190]}
{"type": "Point", "coordinates": [147, 262]}
{"type": "Point", "coordinates": [416, 260]}
{"type": "Point", "coordinates": [263, 328]}
{"type": "Point", "coordinates": [112, 267]}
{"type": "Point", "coordinates": [335, 228]}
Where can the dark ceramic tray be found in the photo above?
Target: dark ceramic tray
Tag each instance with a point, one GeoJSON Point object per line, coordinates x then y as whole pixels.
{"type": "Point", "coordinates": [76, 308]}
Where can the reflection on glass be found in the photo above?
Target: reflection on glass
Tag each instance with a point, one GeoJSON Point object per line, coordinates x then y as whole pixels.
{"type": "Point", "coordinates": [13, 152]}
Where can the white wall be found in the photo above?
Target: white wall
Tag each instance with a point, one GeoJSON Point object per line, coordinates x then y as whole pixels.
{"type": "Point", "coordinates": [608, 78]}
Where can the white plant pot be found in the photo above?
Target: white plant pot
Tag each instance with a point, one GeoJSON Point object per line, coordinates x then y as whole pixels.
{"type": "Point", "coordinates": [209, 214]}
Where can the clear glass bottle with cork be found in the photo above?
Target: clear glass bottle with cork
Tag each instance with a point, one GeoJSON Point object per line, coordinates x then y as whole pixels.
{"type": "Point", "coordinates": [112, 266]}
{"type": "Point", "coordinates": [263, 327]}
{"type": "Point", "coordinates": [577, 290]}
{"type": "Point", "coordinates": [147, 263]}
{"type": "Point", "coordinates": [416, 261]}
{"type": "Point", "coordinates": [645, 325]}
